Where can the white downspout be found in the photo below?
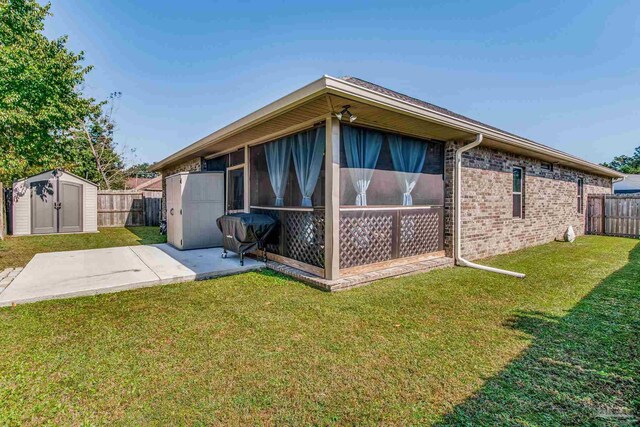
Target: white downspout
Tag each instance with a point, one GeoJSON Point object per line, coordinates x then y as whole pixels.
{"type": "Point", "coordinates": [458, 214]}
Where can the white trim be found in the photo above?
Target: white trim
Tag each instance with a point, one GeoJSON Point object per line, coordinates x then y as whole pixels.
{"type": "Point", "coordinates": [388, 208]}
{"type": "Point", "coordinates": [520, 193]}
{"type": "Point", "coordinates": [220, 154]}
{"type": "Point", "coordinates": [580, 195]}
{"type": "Point", "coordinates": [281, 208]}
{"type": "Point", "coordinates": [332, 199]}
{"type": "Point", "coordinates": [291, 130]}
{"type": "Point", "coordinates": [231, 168]}
{"type": "Point", "coordinates": [339, 87]}
{"type": "Point", "coordinates": [247, 178]}
{"type": "Point", "coordinates": [285, 103]}
{"type": "Point", "coordinates": [226, 190]}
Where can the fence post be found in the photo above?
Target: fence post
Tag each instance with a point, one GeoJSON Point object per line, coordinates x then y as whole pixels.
{"type": "Point", "coordinates": [603, 204]}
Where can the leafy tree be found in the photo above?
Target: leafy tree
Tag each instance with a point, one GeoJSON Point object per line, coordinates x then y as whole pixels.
{"type": "Point", "coordinates": [626, 164]}
{"type": "Point", "coordinates": [141, 170]}
{"type": "Point", "coordinates": [39, 96]}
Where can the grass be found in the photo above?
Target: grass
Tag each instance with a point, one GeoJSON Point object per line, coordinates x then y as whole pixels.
{"type": "Point", "coordinates": [18, 251]}
{"type": "Point", "coordinates": [451, 347]}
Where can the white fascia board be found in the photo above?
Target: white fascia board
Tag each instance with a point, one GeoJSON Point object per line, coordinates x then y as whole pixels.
{"type": "Point", "coordinates": [285, 103]}
{"type": "Point", "coordinates": [332, 85]}
{"type": "Point", "coordinates": [357, 92]}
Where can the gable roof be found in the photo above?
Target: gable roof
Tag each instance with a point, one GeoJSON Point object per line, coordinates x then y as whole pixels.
{"type": "Point", "coordinates": [429, 106]}
{"type": "Point", "coordinates": [361, 90]}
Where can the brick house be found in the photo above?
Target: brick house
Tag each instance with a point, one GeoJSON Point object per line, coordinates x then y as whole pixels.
{"type": "Point", "coordinates": [362, 178]}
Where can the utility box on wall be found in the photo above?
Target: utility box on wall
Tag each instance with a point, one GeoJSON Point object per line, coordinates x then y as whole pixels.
{"type": "Point", "coordinates": [194, 201]}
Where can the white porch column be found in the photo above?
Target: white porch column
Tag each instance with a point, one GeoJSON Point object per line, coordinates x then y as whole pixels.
{"type": "Point", "coordinates": [332, 200]}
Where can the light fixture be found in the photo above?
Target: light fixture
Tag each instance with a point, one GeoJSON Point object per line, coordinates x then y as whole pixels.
{"type": "Point", "coordinates": [345, 109]}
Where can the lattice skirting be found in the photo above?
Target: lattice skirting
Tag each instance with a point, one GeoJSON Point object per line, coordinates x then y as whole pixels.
{"type": "Point", "coordinates": [419, 233]}
{"type": "Point", "coordinates": [299, 235]}
{"type": "Point", "coordinates": [368, 237]}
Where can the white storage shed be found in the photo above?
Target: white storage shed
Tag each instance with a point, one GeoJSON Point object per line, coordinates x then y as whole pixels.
{"type": "Point", "coordinates": [195, 200]}
{"type": "Point", "coordinates": [54, 201]}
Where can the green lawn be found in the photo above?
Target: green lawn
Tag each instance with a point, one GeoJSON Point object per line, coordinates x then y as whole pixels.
{"type": "Point", "coordinates": [18, 251]}
{"type": "Point", "coordinates": [454, 346]}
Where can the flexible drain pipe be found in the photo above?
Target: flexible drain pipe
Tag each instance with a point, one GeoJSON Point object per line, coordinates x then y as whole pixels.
{"type": "Point", "coordinates": [458, 214]}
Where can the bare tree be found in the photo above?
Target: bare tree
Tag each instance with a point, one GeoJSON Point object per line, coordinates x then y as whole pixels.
{"type": "Point", "coordinates": [97, 130]}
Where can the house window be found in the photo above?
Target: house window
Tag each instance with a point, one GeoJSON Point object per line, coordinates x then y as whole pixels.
{"type": "Point", "coordinates": [580, 195]}
{"type": "Point", "coordinates": [518, 192]}
{"type": "Point", "coordinates": [546, 166]}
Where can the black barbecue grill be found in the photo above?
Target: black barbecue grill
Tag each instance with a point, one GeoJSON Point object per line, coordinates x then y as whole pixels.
{"type": "Point", "coordinates": [244, 232]}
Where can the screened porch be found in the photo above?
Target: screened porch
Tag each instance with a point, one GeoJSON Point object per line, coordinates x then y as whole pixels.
{"type": "Point", "coordinates": [388, 207]}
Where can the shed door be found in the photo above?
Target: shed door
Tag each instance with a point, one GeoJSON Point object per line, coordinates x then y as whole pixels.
{"type": "Point", "coordinates": [44, 216]}
{"type": "Point", "coordinates": [70, 202]}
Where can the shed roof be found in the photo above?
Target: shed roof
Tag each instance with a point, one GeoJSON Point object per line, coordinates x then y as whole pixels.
{"type": "Point", "coordinates": [50, 171]}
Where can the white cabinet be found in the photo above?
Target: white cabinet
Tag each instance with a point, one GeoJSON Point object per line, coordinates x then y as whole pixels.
{"type": "Point", "coordinates": [194, 201]}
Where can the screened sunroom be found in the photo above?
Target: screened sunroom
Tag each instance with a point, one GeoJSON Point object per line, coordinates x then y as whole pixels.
{"type": "Point", "coordinates": [355, 177]}
{"type": "Point", "coordinates": [388, 205]}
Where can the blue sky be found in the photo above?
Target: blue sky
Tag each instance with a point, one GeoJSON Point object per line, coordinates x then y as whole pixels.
{"type": "Point", "coordinates": [566, 74]}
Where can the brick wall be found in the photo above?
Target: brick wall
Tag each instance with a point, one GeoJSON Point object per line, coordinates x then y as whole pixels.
{"type": "Point", "coordinates": [488, 226]}
{"type": "Point", "coordinates": [193, 165]}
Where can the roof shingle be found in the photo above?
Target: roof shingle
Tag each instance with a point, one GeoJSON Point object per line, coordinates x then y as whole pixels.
{"type": "Point", "coordinates": [418, 102]}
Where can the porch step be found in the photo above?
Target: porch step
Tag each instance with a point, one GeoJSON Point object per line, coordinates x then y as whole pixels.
{"type": "Point", "coordinates": [356, 280]}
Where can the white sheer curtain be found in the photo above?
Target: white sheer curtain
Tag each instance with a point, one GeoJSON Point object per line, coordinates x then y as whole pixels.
{"type": "Point", "coordinates": [408, 156]}
{"type": "Point", "coordinates": [278, 154]}
{"type": "Point", "coordinates": [362, 148]}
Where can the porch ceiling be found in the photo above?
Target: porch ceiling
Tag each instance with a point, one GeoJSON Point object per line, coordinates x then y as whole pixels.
{"type": "Point", "coordinates": [375, 116]}
{"type": "Point", "coordinates": [272, 128]}
{"type": "Point", "coordinates": [317, 109]}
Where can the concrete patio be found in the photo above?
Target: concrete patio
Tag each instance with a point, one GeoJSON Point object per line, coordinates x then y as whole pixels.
{"type": "Point", "coordinates": [96, 271]}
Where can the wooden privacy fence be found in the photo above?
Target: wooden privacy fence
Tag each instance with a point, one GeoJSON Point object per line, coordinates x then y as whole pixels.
{"type": "Point", "coordinates": [613, 215]}
{"type": "Point", "coordinates": [123, 208]}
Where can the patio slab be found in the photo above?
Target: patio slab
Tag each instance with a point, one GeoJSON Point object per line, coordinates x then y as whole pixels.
{"type": "Point", "coordinates": [95, 271]}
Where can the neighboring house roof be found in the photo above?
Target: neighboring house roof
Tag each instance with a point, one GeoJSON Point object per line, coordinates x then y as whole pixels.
{"type": "Point", "coordinates": [149, 184]}
{"type": "Point", "coordinates": [631, 184]}
{"type": "Point", "coordinates": [358, 89]}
